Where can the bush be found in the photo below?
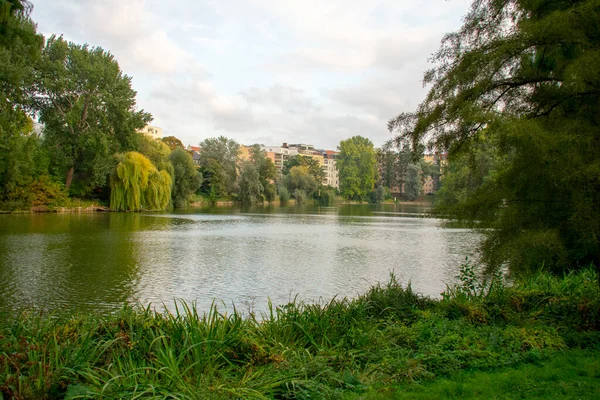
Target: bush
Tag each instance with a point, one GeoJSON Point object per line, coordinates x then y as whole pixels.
{"type": "Point", "coordinates": [284, 195]}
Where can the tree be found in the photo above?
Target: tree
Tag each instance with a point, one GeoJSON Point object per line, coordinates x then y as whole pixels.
{"type": "Point", "coordinates": [312, 165]}
{"type": "Point", "coordinates": [267, 171]}
{"type": "Point", "coordinates": [137, 185]}
{"type": "Point", "coordinates": [412, 184]}
{"type": "Point", "coordinates": [89, 111]}
{"type": "Point", "coordinates": [387, 160]}
{"type": "Point", "coordinates": [357, 166]}
{"type": "Point", "coordinates": [526, 74]}
{"type": "Point", "coordinates": [300, 183]}
{"type": "Point", "coordinates": [223, 151]}
{"type": "Point", "coordinates": [214, 182]}
{"type": "Point", "coordinates": [250, 190]}
{"type": "Point", "coordinates": [23, 164]}
{"type": "Point", "coordinates": [186, 179]}
{"type": "Point", "coordinates": [467, 175]}
{"type": "Point", "coordinates": [172, 142]}
{"type": "Point", "coordinates": [157, 152]}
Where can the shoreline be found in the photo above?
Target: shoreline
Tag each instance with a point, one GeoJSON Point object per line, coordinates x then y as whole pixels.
{"type": "Point", "coordinates": [387, 341]}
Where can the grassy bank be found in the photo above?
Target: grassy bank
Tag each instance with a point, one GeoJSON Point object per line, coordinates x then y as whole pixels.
{"type": "Point", "coordinates": [388, 343]}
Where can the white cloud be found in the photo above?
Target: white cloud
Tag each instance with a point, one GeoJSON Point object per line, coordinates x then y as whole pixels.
{"type": "Point", "coordinates": [261, 70]}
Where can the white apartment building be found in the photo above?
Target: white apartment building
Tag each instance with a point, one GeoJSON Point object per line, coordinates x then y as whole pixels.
{"type": "Point", "coordinates": [332, 176]}
{"type": "Point", "coordinates": [154, 132]}
{"type": "Point", "coordinates": [279, 154]}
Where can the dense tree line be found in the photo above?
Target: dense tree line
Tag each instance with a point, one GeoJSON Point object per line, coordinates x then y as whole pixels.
{"type": "Point", "coordinates": [90, 145]}
{"type": "Point", "coordinates": [515, 100]}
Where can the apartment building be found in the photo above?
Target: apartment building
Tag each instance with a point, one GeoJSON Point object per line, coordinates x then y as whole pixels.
{"type": "Point", "coordinates": [279, 154]}
{"type": "Point", "coordinates": [154, 132]}
{"type": "Point", "coordinates": [332, 176]}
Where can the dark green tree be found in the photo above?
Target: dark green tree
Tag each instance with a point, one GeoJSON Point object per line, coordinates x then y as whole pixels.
{"type": "Point", "coordinates": [412, 181]}
{"type": "Point", "coordinates": [526, 73]}
{"type": "Point", "coordinates": [186, 178]}
{"type": "Point", "coordinates": [214, 180]}
{"type": "Point", "coordinates": [250, 189]}
{"type": "Point", "coordinates": [23, 164]}
{"type": "Point", "coordinates": [300, 183]}
{"type": "Point", "coordinates": [225, 152]}
{"type": "Point", "coordinates": [357, 166]}
{"type": "Point", "coordinates": [89, 111]}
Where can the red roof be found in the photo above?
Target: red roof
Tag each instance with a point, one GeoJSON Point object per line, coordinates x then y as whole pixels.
{"type": "Point", "coordinates": [195, 148]}
{"type": "Point", "coordinates": [331, 152]}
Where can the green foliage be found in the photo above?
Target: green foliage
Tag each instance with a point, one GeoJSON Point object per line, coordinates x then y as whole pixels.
{"type": "Point", "coordinates": [522, 73]}
{"type": "Point", "coordinates": [223, 152]}
{"type": "Point", "coordinates": [300, 183]}
{"type": "Point", "coordinates": [186, 178]}
{"type": "Point", "coordinates": [214, 183]}
{"type": "Point", "coordinates": [393, 160]}
{"type": "Point", "coordinates": [284, 195]}
{"type": "Point", "coordinates": [466, 176]}
{"type": "Point", "coordinates": [389, 338]}
{"type": "Point", "coordinates": [264, 165]}
{"type": "Point", "coordinates": [312, 165]}
{"type": "Point", "coordinates": [326, 196]}
{"type": "Point", "coordinates": [270, 192]}
{"type": "Point", "coordinates": [21, 159]}
{"type": "Point", "coordinates": [88, 108]}
{"type": "Point", "coordinates": [22, 162]}
{"type": "Point", "coordinates": [172, 142]}
{"type": "Point", "coordinates": [256, 178]}
{"type": "Point", "coordinates": [45, 192]}
{"type": "Point", "coordinates": [380, 194]}
{"type": "Point", "coordinates": [357, 166]}
{"type": "Point", "coordinates": [412, 184]}
{"type": "Point", "coordinates": [156, 151]}
{"type": "Point", "coordinates": [137, 185]}
{"type": "Point", "coordinates": [250, 189]}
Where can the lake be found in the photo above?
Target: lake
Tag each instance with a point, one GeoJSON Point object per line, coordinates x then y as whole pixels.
{"type": "Point", "coordinates": [99, 261]}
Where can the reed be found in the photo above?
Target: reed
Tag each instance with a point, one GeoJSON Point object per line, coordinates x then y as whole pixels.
{"type": "Point", "coordinates": [381, 342]}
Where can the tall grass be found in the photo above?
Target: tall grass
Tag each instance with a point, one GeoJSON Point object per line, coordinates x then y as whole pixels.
{"type": "Point", "coordinates": [388, 336]}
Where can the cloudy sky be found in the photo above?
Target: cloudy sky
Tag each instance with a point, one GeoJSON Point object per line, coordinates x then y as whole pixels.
{"type": "Point", "coordinates": [265, 71]}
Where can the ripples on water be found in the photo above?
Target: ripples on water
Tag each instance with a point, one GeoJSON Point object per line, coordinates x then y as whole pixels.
{"type": "Point", "coordinates": [99, 261]}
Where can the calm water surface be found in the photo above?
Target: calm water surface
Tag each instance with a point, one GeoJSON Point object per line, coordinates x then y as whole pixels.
{"type": "Point", "coordinates": [79, 262]}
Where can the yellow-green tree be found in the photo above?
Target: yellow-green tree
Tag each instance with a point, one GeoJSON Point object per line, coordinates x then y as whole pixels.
{"type": "Point", "coordinates": [137, 185]}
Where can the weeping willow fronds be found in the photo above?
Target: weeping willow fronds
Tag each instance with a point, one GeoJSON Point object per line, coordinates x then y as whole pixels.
{"type": "Point", "coordinates": [158, 192]}
{"type": "Point", "coordinates": [136, 184]}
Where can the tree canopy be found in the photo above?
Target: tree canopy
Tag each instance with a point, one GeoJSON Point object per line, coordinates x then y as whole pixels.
{"type": "Point", "coordinates": [524, 73]}
{"type": "Point", "coordinates": [357, 166]}
{"type": "Point", "coordinates": [137, 185]}
{"type": "Point", "coordinates": [172, 142]}
{"type": "Point", "coordinates": [224, 152]}
{"type": "Point", "coordinates": [250, 189]}
{"type": "Point", "coordinates": [186, 178]}
{"type": "Point", "coordinates": [88, 108]}
{"type": "Point", "coordinates": [312, 165]}
{"type": "Point", "coordinates": [22, 161]}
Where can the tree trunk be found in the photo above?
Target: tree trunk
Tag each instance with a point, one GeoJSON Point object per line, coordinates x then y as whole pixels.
{"type": "Point", "coordinates": [70, 174]}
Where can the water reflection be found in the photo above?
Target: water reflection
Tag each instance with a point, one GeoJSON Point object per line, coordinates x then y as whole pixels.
{"type": "Point", "coordinates": [99, 261]}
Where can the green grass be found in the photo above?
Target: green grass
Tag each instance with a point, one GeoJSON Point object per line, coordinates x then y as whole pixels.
{"type": "Point", "coordinates": [541, 334]}
{"type": "Point", "coordinates": [573, 374]}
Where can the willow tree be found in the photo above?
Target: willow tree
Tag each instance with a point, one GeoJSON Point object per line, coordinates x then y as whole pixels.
{"type": "Point", "coordinates": [137, 185]}
{"type": "Point", "coordinates": [525, 72]}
